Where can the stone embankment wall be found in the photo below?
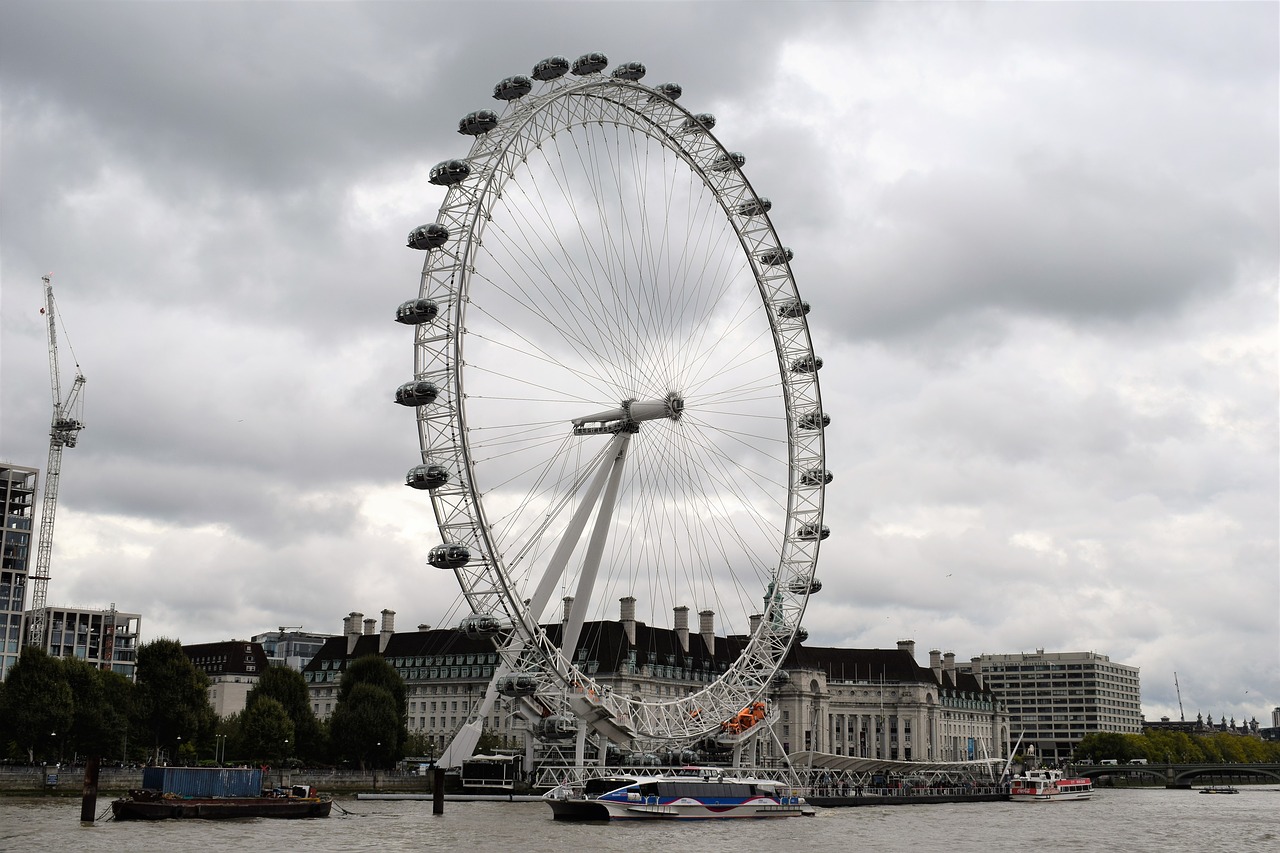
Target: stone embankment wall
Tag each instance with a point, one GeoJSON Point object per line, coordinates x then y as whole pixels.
{"type": "Point", "coordinates": [118, 780]}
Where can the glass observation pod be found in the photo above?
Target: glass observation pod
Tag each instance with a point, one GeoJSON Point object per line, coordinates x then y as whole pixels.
{"type": "Point", "coordinates": [516, 684]}
{"type": "Point", "coordinates": [812, 532]}
{"type": "Point", "coordinates": [728, 162]}
{"type": "Point", "coordinates": [670, 91]}
{"type": "Point", "coordinates": [589, 63]}
{"type": "Point", "coordinates": [428, 236]}
{"type": "Point", "coordinates": [450, 555]}
{"type": "Point", "coordinates": [416, 311]}
{"type": "Point", "coordinates": [516, 86]}
{"type": "Point", "coordinates": [417, 393]}
{"type": "Point", "coordinates": [478, 122]}
{"type": "Point", "coordinates": [807, 364]}
{"type": "Point", "coordinates": [816, 477]}
{"type": "Point", "coordinates": [802, 634]}
{"type": "Point", "coordinates": [776, 257]}
{"type": "Point", "coordinates": [477, 626]}
{"type": "Point", "coordinates": [808, 587]}
{"type": "Point", "coordinates": [755, 207]}
{"type": "Point", "coordinates": [814, 419]}
{"type": "Point", "coordinates": [781, 677]}
{"type": "Point", "coordinates": [629, 71]}
{"type": "Point", "coordinates": [449, 172]}
{"type": "Point", "coordinates": [794, 309]}
{"type": "Point", "coordinates": [426, 477]}
{"type": "Point", "coordinates": [555, 727]}
{"type": "Point", "coordinates": [551, 68]}
{"type": "Point", "coordinates": [702, 121]}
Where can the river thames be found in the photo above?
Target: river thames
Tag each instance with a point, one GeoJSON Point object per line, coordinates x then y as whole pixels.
{"type": "Point", "coordinates": [1139, 820]}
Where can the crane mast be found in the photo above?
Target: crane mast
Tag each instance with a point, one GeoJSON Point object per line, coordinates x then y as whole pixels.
{"type": "Point", "coordinates": [1181, 714]}
{"type": "Point", "coordinates": [63, 431]}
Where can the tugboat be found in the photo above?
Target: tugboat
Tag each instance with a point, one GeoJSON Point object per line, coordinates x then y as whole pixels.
{"type": "Point", "coordinates": [215, 793]}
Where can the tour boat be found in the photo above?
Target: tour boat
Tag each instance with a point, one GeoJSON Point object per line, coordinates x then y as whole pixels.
{"type": "Point", "coordinates": [1043, 785]}
{"type": "Point", "coordinates": [683, 796]}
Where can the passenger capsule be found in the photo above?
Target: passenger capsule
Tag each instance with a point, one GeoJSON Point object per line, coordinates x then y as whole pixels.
{"type": "Point", "coordinates": [802, 634]}
{"type": "Point", "coordinates": [513, 87]}
{"type": "Point", "coordinates": [416, 311]}
{"type": "Point", "coordinates": [478, 122]}
{"type": "Point", "coordinates": [815, 419]}
{"type": "Point", "coordinates": [755, 207]}
{"type": "Point", "coordinates": [816, 477]}
{"type": "Point", "coordinates": [428, 477]}
{"type": "Point", "coordinates": [551, 68]}
{"type": "Point", "coordinates": [417, 393]}
{"type": "Point", "coordinates": [449, 172]}
{"type": "Point", "coordinates": [702, 121]}
{"type": "Point", "coordinates": [515, 684]}
{"type": "Point", "coordinates": [555, 727]}
{"type": "Point", "coordinates": [628, 71]}
{"type": "Point", "coordinates": [808, 587]}
{"type": "Point", "coordinates": [776, 257]}
{"type": "Point", "coordinates": [450, 555]}
{"type": "Point", "coordinates": [781, 677]}
{"type": "Point", "coordinates": [670, 91]}
{"type": "Point", "coordinates": [589, 63]}
{"type": "Point", "coordinates": [794, 309]}
{"type": "Point", "coordinates": [806, 364]}
{"type": "Point", "coordinates": [729, 162]}
{"type": "Point", "coordinates": [479, 626]}
{"type": "Point", "coordinates": [813, 532]}
{"type": "Point", "coordinates": [428, 236]}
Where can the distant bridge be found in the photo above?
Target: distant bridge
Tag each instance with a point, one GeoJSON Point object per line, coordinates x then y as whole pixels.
{"type": "Point", "coordinates": [1178, 774]}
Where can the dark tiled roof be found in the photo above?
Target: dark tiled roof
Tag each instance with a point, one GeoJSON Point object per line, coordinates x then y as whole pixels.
{"type": "Point", "coordinates": [229, 656]}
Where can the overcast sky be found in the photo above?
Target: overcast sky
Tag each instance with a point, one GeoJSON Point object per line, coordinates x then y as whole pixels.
{"type": "Point", "coordinates": [1042, 241]}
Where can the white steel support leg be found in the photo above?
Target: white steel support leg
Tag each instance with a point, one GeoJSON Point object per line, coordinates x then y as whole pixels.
{"type": "Point", "coordinates": [595, 550]}
{"type": "Point", "coordinates": [569, 541]}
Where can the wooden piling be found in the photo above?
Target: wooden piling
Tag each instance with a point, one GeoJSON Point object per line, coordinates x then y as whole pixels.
{"type": "Point", "coordinates": [89, 794]}
{"type": "Point", "coordinates": [437, 790]}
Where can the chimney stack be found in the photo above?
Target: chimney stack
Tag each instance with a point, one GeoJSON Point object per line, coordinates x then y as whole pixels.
{"type": "Point", "coordinates": [935, 663]}
{"type": "Point", "coordinates": [756, 619]}
{"type": "Point", "coordinates": [682, 626]}
{"type": "Point", "coordinates": [369, 625]}
{"type": "Point", "coordinates": [351, 625]}
{"type": "Point", "coordinates": [628, 614]}
{"type": "Point", "coordinates": [423, 626]}
{"type": "Point", "coordinates": [949, 665]}
{"type": "Point", "coordinates": [707, 629]}
{"type": "Point", "coordinates": [908, 646]}
{"type": "Point", "coordinates": [977, 670]}
{"type": "Point", "coordinates": [388, 628]}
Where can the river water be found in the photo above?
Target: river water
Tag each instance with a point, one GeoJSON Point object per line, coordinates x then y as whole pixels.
{"type": "Point", "coordinates": [1141, 820]}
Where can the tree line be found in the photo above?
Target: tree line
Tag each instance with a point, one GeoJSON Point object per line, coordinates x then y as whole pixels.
{"type": "Point", "coordinates": [57, 710]}
{"type": "Point", "coordinates": [1167, 747]}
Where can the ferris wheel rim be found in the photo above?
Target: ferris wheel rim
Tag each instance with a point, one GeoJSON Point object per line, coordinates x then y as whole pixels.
{"type": "Point", "coordinates": [461, 514]}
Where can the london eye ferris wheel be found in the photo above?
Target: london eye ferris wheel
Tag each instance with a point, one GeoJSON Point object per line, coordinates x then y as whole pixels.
{"type": "Point", "coordinates": [617, 396]}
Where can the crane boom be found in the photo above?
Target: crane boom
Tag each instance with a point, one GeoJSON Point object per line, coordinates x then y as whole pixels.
{"type": "Point", "coordinates": [63, 431]}
{"type": "Point", "coordinates": [1181, 714]}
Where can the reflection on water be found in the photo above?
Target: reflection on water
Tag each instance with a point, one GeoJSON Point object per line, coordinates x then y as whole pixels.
{"type": "Point", "coordinates": [1139, 821]}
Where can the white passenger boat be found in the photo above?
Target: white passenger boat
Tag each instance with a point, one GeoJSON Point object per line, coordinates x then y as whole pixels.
{"type": "Point", "coordinates": [682, 796]}
{"type": "Point", "coordinates": [1045, 785]}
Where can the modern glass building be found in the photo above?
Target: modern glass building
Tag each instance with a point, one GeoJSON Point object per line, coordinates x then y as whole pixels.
{"type": "Point", "coordinates": [17, 553]}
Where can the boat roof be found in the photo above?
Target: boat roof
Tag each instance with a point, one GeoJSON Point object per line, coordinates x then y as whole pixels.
{"type": "Point", "coordinates": [853, 764]}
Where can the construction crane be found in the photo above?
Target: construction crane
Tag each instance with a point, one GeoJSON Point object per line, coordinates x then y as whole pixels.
{"type": "Point", "coordinates": [1181, 715]}
{"type": "Point", "coordinates": [63, 431]}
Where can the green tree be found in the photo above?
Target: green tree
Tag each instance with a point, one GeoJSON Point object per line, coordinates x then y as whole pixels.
{"type": "Point", "coordinates": [288, 687]}
{"type": "Point", "coordinates": [365, 727]}
{"type": "Point", "coordinates": [173, 698]}
{"type": "Point", "coordinates": [267, 731]}
{"type": "Point", "coordinates": [376, 672]}
{"type": "Point", "coordinates": [102, 702]}
{"type": "Point", "coordinates": [37, 710]}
